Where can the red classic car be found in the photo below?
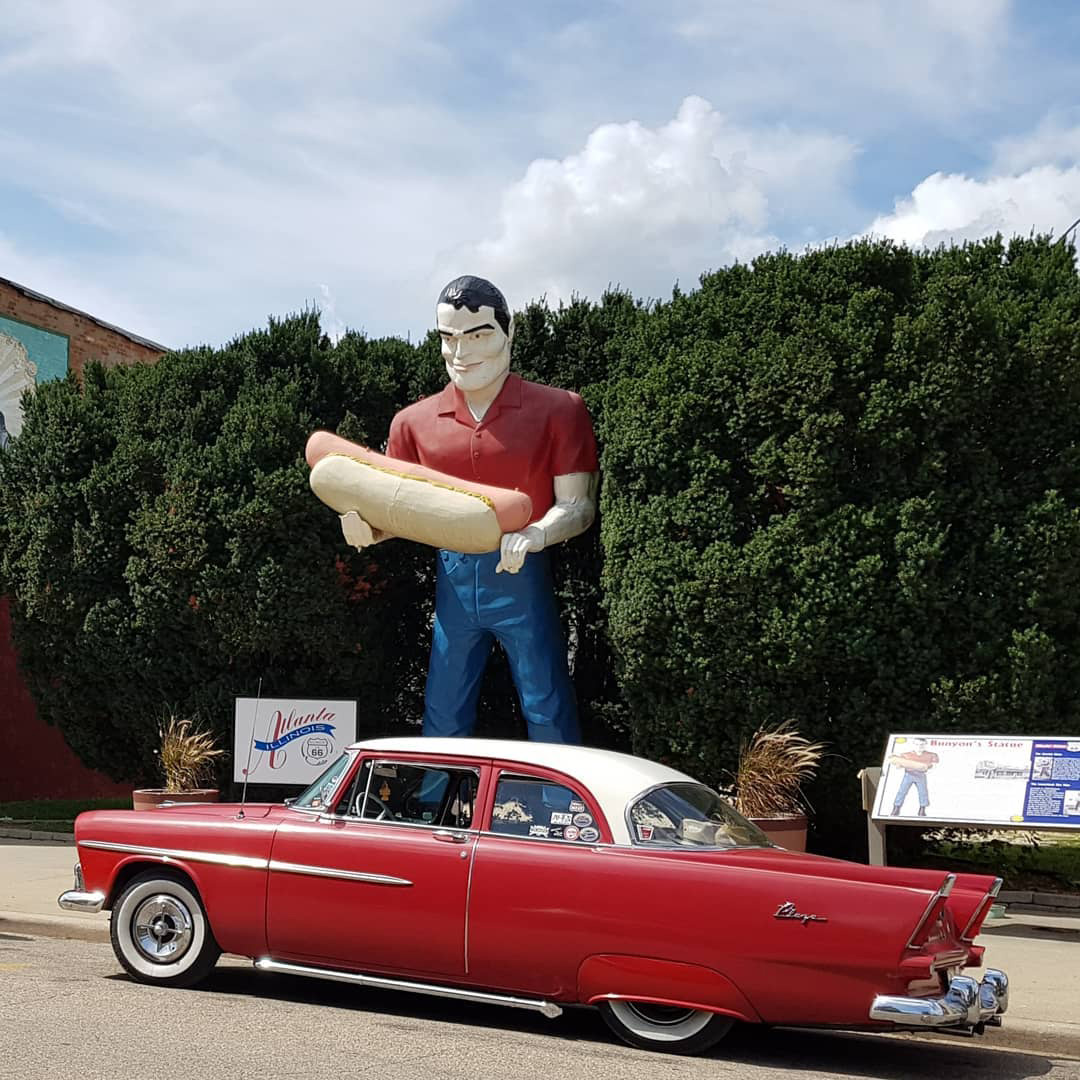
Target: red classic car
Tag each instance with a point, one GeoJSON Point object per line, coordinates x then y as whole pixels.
{"type": "Point", "coordinates": [539, 877]}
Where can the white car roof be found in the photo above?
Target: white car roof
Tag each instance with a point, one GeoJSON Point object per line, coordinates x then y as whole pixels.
{"type": "Point", "coordinates": [613, 778]}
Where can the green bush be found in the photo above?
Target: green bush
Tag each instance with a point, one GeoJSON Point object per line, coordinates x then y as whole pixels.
{"type": "Point", "coordinates": [839, 489]}
{"type": "Point", "coordinates": [163, 549]}
{"type": "Point", "coordinates": [842, 489]}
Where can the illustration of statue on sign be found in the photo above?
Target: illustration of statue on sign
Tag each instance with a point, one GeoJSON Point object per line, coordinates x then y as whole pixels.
{"type": "Point", "coordinates": [916, 763]}
{"type": "Point", "coordinates": [493, 471]}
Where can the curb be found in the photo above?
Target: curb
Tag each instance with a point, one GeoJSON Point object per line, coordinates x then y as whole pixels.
{"type": "Point", "coordinates": [1039, 903]}
{"type": "Point", "coordinates": [7, 833]}
{"type": "Point", "coordinates": [54, 926]}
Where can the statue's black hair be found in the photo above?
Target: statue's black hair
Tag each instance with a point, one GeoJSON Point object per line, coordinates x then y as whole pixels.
{"type": "Point", "coordinates": [475, 293]}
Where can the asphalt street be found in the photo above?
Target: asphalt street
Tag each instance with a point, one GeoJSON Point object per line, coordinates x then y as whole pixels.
{"type": "Point", "coordinates": [67, 1012]}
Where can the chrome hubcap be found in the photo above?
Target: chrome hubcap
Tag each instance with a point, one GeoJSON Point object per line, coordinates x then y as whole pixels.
{"type": "Point", "coordinates": [162, 928]}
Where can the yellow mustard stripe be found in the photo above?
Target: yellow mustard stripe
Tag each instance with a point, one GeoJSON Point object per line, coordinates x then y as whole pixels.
{"type": "Point", "coordinates": [422, 479]}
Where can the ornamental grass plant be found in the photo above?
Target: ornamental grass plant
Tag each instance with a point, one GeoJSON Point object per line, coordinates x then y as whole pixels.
{"type": "Point", "coordinates": [186, 754]}
{"type": "Point", "coordinates": [774, 764]}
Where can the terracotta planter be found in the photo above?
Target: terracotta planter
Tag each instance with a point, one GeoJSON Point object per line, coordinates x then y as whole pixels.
{"type": "Point", "coordinates": [149, 798]}
{"type": "Point", "coordinates": [787, 832]}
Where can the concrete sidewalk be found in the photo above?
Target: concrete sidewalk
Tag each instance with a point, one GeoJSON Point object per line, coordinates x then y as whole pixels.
{"type": "Point", "coordinates": [1040, 954]}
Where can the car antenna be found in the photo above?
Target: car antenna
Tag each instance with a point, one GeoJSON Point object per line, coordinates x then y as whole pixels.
{"type": "Point", "coordinates": [251, 743]}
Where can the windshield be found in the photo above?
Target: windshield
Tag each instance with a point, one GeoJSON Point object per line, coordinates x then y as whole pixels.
{"type": "Point", "coordinates": [320, 796]}
{"type": "Point", "coordinates": [690, 815]}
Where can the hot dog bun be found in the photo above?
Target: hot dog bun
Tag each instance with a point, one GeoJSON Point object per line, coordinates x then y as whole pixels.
{"type": "Point", "coordinates": [413, 501]}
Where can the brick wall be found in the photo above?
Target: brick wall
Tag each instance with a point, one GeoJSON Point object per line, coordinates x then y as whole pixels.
{"type": "Point", "coordinates": [89, 340]}
{"type": "Point", "coordinates": [35, 761]}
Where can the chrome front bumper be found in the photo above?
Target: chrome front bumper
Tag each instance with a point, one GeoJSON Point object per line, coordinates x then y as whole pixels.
{"type": "Point", "coordinates": [968, 1006]}
{"type": "Point", "coordinates": [78, 899]}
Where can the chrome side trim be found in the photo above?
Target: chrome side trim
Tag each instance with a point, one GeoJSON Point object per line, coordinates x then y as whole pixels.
{"type": "Point", "coordinates": [343, 875]}
{"type": "Point", "coordinates": [547, 1008]}
{"type": "Point", "coordinates": [987, 900]}
{"type": "Point", "coordinates": [945, 888]}
{"type": "Point", "coordinates": [247, 862]}
{"type": "Point", "coordinates": [966, 1005]}
{"type": "Point", "coordinates": [77, 900]}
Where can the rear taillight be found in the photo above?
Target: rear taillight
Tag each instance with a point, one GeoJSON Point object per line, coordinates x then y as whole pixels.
{"type": "Point", "coordinates": [982, 909]}
{"type": "Point", "coordinates": [931, 923]}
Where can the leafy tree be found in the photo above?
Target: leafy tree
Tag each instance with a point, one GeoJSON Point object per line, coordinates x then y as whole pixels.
{"type": "Point", "coordinates": [843, 489]}
{"type": "Point", "coordinates": [164, 551]}
{"type": "Point", "coordinates": [840, 489]}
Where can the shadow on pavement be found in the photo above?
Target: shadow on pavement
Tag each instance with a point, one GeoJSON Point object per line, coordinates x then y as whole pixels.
{"type": "Point", "coordinates": [1032, 931]}
{"type": "Point", "coordinates": [883, 1057]}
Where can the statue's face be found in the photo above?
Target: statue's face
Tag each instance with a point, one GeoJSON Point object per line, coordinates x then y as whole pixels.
{"type": "Point", "coordinates": [475, 349]}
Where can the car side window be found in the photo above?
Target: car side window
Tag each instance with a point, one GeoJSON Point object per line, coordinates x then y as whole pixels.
{"type": "Point", "coordinates": [530, 806]}
{"type": "Point", "coordinates": [414, 794]}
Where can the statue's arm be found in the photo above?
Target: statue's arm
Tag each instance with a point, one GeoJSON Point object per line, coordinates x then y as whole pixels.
{"type": "Point", "coordinates": [570, 515]}
{"type": "Point", "coordinates": [573, 510]}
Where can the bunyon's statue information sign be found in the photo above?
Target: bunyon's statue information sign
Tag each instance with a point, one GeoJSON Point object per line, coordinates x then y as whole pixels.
{"type": "Point", "coordinates": [981, 780]}
{"type": "Point", "coordinates": [289, 741]}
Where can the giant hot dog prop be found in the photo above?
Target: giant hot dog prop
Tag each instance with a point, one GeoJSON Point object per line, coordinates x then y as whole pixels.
{"type": "Point", "coordinates": [412, 501]}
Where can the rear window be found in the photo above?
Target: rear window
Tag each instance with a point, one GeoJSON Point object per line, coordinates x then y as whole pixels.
{"type": "Point", "coordinates": [692, 816]}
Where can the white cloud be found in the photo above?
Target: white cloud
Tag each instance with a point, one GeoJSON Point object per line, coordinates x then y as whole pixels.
{"type": "Point", "coordinates": [1032, 185]}
{"type": "Point", "coordinates": [223, 163]}
{"type": "Point", "coordinates": [186, 168]}
{"type": "Point", "coordinates": [642, 207]}
{"type": "Point", "coordinates": [77, 288]}
{"type": "Point", "coordinates": [1055, 141]}
{"type": "Point", "coordinates": [853, 56]}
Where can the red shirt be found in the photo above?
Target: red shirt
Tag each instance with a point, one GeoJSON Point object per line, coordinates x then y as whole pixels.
{"type": "Point", "coordinates": [924, 757]}
{"type": "Point", "coordinates": [530, 434]}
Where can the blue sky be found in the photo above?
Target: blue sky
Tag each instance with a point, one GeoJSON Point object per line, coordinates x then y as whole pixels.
{"type": "Point", "coordinates": [187, 168]}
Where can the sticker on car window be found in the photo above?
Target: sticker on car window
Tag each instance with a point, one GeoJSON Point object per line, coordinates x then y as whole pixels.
{"type": "Point", "coordinates": [576, 806]}
{"type": "Point", "coordinates": [644, 832]}
{"type": "Point", "coordinates": [581, 820]}
{"type": "Point", "coordinates": [590, 836]}
{"type": "Point", "coordinates": [538, 830]}
{"type": "Point", "coordinates": [571, 832]}
{"type": "Point", "coordinates": [561, 819]}
{"type": "Point", "coordinates": [511, 810]}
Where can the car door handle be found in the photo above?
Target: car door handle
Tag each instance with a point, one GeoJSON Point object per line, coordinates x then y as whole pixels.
{"type": "Point", "coordinates": [448, 837]}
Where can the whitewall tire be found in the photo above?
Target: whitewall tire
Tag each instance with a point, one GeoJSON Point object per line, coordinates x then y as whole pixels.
{"type": "Point", "coordinates": [160, 932]}
{"type": "Point", "coordinates": [667, 1028]}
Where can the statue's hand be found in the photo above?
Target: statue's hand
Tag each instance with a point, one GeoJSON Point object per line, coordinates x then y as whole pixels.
{"type": "Point", "coordinates": [515, 546]}
{"type": "Point", "coordinates": [358, 532]}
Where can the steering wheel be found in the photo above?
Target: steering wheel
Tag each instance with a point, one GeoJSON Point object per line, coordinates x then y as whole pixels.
{"type": "Point", "coordinates": [382, 810]}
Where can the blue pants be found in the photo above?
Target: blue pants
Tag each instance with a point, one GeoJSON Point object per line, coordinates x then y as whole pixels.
{"type": "Point", "coordinates": [916, 780]}
{"type": "Point", "coordinates": [474, 607]}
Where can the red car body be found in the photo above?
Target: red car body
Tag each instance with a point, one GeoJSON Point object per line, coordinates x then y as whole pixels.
{"type": "Point", "coordinates": [747, 932]}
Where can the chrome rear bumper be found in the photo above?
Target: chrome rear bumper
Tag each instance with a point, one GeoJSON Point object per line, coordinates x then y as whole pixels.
{"type": "Point", "coordinates": [968, 1006]}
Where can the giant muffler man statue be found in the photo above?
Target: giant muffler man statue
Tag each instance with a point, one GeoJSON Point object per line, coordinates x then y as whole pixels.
{"type": "Point", "coordinates": [493, 427]}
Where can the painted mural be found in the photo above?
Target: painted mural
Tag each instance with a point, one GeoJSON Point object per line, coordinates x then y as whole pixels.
{"type": "Point", "coordinates": [28, 356]}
